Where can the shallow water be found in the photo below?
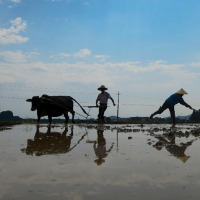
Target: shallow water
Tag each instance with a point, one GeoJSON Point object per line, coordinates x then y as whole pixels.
{"type": "Point", "coordinates": [100, 162]}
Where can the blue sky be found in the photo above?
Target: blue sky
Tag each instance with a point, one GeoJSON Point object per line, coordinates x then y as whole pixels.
{"type": "Point", "coordinates": [145, 49]}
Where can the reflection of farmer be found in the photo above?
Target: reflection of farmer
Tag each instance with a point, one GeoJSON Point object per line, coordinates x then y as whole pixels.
{"type": "Point", "coordinates": [103, 98]}
{"type": "Point", "coordinates": [100, 149]}
{"type": "Point", "coordinates": [171, 102]}
{"type": "Point", "coordinates": [172, 148]}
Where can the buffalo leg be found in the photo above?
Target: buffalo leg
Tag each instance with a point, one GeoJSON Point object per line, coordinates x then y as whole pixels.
{"type": "Point", "coordinates": [66, 117]}
{"type": "Point", "coordinates": [73, 113]}
{"type": "Point", "coordinates": [50, 117]}
{"type": "Point", "coordinates": [39, 119]}
{"type": "Point", "coordinates": [72, 130]}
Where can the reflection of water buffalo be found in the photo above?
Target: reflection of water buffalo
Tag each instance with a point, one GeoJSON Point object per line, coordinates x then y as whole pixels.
{"type": "Point", "coordinates": [53, 106]}
{"type": "Point", "coordinates": [49, 143]}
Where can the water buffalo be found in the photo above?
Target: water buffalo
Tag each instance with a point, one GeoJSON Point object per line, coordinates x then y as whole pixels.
{"type": "Point", "coordinates": [53, 106]}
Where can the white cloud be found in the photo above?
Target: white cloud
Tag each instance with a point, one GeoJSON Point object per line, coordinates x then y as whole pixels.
{"type": "Point", "coordinates": [101, 57]}
{"type": "Point", "coordinates": [35, 53]}
{"type": "Point", "coordinates": [83, 53]}
{"type": "Point", "coordinates": [10, 35]}
{"type": "Point", "coordinates": [66, 55]}
{"type": "Point", "coordinates": [86, 3]}
{"type": "Point", "coordinates": [15, 57]}
{"type": "Point", "coordinates": [113, 74]}
{"type": "Point", "coordinates": [194, 64]}
{"type": "Point", "coordinates": [16, 1]}
{"type": "Point", "coordinates": [60, 55]}
{"type": "Point", "coordinates": [109, 73]}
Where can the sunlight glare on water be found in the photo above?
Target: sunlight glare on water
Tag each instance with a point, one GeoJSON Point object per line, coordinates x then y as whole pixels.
{"type": "Point", "coordinates": [79, 162]}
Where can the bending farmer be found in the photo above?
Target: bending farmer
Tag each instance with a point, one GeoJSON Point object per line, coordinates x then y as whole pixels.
{"type": "Point", "coordinates": [171, 102]}
{"type": "Point", "coordinates": [103, 98]}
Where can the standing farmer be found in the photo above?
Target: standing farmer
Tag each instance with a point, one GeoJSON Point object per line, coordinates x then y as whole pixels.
{"type": "Point", "coordinates": [103, 98]}
{"type": "Point", "coordinates": [171, 102]}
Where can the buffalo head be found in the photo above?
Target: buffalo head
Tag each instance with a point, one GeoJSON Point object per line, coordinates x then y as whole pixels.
{"type": "Point", "coordinates": [35, 102]}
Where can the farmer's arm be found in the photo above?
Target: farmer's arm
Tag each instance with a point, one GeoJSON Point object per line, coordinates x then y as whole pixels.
{"type": "Point", "coordinates": [94, 146]}
{"type": "Point", "coordinates": [110, 148]}
{"type": "Point", "coordinates": [112, 101]}
{"type": "Point", "coordinates": [185, 104]}
{"type": "Point", "coordinates": [97, 101]}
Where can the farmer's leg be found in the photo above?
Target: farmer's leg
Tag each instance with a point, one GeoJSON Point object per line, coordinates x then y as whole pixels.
{"type": "Point", "coordinates": [160, 110]}
{"type": "Point", "coordinates": [172, 112]}
{"type": "Point", "coordinates": [104, 107]}
{"type": "Point", "coordinates": [100, 112]}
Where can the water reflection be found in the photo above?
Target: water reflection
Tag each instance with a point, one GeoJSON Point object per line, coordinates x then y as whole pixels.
{"type": "Point", "coordinates": [97, 170]}
{"type": "Point", "coordinates": [100, 147]}
{"type": "Point", "coordinates": [50, 142]}
{"type": "Point", "coordinates": [168, 141]}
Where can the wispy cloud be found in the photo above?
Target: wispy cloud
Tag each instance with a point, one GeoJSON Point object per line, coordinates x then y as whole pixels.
{"type": "Point", "coordinates": [194, 64]}
{"type": "Point", "coordinates": [101, 57]}
{"type": "Point", "coordinates": [109, 73]}
{"type": "Point", "coordinates": [17, 57]}
{"type": "Point", "coordinates": [16, 1]}
{"type": "Point", "coordinates": [154, 75]}
{"type": "Point", "coordinates": [86, 3]}
{"type": "Point", "coordinates": [65, 55]}
{"type": "Point", "coordinates": [35, 53]}
{"type": "Point", "coordinates": [60, 55]}
{"type": "Point", "coordinates": [10, 35]}
{"type": "Point", "coordinates": [14, 57]}
{"type": "Point", "coordinates": [83, 53]}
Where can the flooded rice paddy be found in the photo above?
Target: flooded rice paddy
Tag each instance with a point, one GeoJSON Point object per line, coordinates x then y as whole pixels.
{"type": "Point", "coordinates": [114, 162]}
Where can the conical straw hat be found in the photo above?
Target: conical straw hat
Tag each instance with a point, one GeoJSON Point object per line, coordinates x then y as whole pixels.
{"type": "Point", "coordinates": [184, 158]}
{"type": "Point", "coordinates": [181, 91]}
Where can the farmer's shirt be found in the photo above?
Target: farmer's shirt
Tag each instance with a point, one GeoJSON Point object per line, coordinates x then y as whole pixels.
{"type": "Point", "coordinates": [100, 151]}
{"type": "Point", "coordinates": [174, 99]}
{"type": "Point", "coordinates": [103, 97]}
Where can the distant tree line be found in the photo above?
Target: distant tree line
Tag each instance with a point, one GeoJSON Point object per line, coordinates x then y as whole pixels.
{"type": "Point", "coordinates": [8, 116]}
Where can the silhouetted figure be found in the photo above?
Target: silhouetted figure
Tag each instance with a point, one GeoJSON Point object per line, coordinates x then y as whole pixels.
{"type": "Point", "coordinates": [171, 102]}
{"type": "Point", "coordinates": [103, 99]}
{"type": "Point", "coordinates": [100, 148]}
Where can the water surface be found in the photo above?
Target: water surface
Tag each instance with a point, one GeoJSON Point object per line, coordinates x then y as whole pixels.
{"type": "Point", "coordinates": [80, 162]}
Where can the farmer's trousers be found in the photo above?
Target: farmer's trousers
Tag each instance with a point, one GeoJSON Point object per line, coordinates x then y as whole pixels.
{"type": "Point", "coordinates": [163, 108]}
{"type": "Point", "coordinates": [102, 109]}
